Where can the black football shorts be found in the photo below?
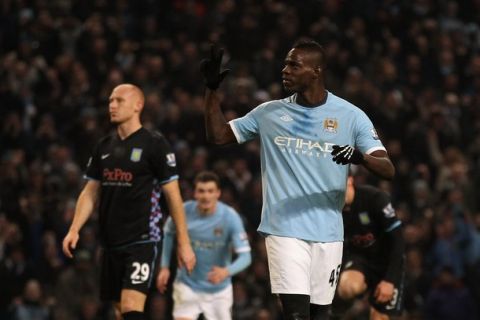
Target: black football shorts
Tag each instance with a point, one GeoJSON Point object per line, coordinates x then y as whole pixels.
{"type": "Point", "coordinates": [132, 266]}
{"type": "Point", "coordinates": [374, 273]}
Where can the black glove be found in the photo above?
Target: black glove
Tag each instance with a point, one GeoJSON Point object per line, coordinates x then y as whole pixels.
{"type": "Point", "coordinates": [346, 154]}
{"type": "Point", "coordinates": [210, 68]}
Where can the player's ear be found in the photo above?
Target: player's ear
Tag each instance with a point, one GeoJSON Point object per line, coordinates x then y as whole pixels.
{"type": "Point", "coordinates": [139, 106]}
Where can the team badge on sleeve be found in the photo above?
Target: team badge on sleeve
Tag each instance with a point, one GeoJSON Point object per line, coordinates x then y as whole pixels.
{"type": "Point", "coordinates": [136, 154]}
{"type": "Point", "coordinates": [374, 134]}
{"type": "Point", "coordinates": [171, 160]}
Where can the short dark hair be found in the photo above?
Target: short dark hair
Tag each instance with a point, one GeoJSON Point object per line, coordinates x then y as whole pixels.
{"type": "Point", "coordinates": [312, 46]}
{"type": "Point", "coordinates": [206, 176]}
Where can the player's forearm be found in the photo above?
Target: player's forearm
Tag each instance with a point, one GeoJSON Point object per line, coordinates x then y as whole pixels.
{"type": "Point", "coordinates": [85, 205]}
{"type": "Point", "coordinates": [171, 190]}
{"type": "Point", "coordinates": [167, 248]}
{"type": "Point", "coordinates": [397, 248]}
{"type": "Point", "coordinates": [181, 227]}
{"type": "Point", "coordinates": [381, 166]}
{"type": "Point", "coordinates": [177, 212]}
{"type": "Point", "coordinates": [217, 128]}
{"type": "Point", "coordinates": [243, 260]}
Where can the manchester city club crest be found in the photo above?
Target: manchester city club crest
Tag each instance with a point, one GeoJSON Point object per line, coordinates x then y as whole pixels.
{"type": "Point", "coordinates": [218, 232]}
{"type": "Point", "coordinates": [136, 154]}
{"type": "Point", "coordinates": [330, 125]}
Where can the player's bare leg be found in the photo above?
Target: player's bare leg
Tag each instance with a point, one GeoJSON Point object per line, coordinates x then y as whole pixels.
{"type": "Point", "coordinates": [117, 311]}
{"type": "Point", "coordinates": [351, 284]}
{"type": "Point", "coordinates": [132, 301]}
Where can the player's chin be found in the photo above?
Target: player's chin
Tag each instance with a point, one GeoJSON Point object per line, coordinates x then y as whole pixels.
{"type": "Point", "coordinates": [114, 120]}
{"type": "Point", "coordinates": [206, 206]}
{"type": "Point", "coordinates": [202, 206]}
{"type": "Point", "coordinates": [288, 87]}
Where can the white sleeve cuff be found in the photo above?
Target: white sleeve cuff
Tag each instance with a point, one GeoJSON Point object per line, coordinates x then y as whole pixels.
{"type": "Point", "coordinates": [235, 131]}
{"type": "Point", "coordinates": [371, 150]}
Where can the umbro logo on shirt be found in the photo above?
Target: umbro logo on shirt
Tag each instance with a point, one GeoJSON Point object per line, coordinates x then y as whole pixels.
{"type": "Point", "coordinates": [286, 118]}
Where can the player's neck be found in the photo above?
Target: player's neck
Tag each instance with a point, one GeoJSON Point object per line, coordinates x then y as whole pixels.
{"type": "Point", "coordinates": [127, 128]}
{"type": "Point", "coordinates": [312, 97]}
{"type": "Point", "coordinates": [207, 211]}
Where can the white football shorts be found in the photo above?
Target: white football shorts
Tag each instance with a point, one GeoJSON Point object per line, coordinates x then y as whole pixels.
{"type": "Point", "coordinates": [304, 267]}
{"type": "Point", "coordinates": [190, 304]}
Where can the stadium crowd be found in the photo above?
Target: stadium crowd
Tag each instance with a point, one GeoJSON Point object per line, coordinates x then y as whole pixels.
{"type": "Point", "coordinates": [412, 66]}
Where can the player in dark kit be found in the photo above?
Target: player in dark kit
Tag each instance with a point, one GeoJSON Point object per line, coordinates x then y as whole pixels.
{"type": "Point", "coordinates": [128, 173]}
{"type": "Point", "coordinates": [373, 257]}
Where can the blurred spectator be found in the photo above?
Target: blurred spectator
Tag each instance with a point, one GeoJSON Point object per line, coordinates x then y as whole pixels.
{"type": "Point", "coordinates": [50, 263]}
{"type": "Point", "coordinates": [243, 308]}
{"type": "Point", "coordinates": [417, 283]}
{"type": "Point", "coordinates": [14, 273]}
{"type": "Point", "coordinates": [32, 305]}
{"type": "Point", "coordinates": [74, 284]}
{"type": "Point", "coordinates": [449, 299]}
{"type": "Point", "coordinates": [90, 309]}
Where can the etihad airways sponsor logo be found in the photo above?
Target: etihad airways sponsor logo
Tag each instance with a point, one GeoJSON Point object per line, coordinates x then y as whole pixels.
{"type": "Point", "coordinates": [207, 245]}
{"type": "Point", "coordinates": [303, 146]}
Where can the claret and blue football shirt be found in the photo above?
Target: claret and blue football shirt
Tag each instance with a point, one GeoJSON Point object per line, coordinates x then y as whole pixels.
{"type": "Point", "coordinates": [131, 172]}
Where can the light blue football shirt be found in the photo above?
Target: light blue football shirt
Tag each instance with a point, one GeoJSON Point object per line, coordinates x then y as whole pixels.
{"type": "Point", "coordinates": [303, 189]}
{"type": "Point", "coordinates": [213, 239]}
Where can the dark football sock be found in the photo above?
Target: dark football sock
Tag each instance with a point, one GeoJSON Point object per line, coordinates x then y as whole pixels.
{"type": "Point", "coordinates": [133, 315]}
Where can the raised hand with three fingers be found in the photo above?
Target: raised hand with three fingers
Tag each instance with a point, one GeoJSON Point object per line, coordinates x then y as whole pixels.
{"type": "Point", "coordinates": [210, 68]}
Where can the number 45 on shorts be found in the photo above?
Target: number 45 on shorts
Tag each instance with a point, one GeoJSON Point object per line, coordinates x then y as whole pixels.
{"type": "Point", "coordinates": [334, 276]}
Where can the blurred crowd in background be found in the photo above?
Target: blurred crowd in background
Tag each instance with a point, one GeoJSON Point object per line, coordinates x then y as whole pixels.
{"type": "Point", "coordinates": [412, 66]}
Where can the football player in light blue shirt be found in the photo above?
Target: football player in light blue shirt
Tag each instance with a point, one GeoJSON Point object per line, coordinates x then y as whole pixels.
{"type": "Point", "coordinates": [215, 229]}
{"type": "Point", "coordinates": [303, 189]}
